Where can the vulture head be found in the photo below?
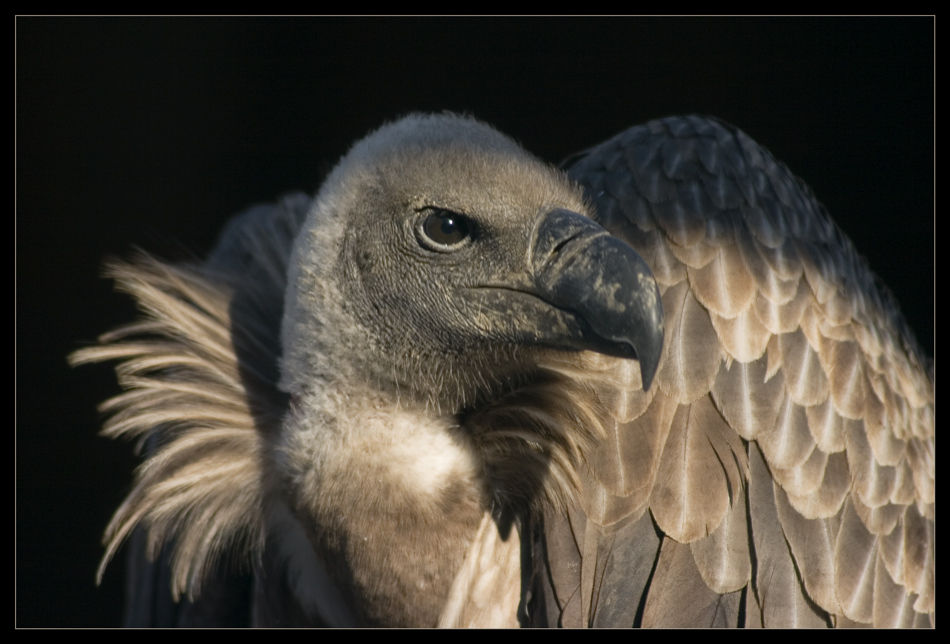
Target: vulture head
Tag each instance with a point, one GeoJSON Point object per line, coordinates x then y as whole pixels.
{"type": "Point", "coordinates": [438, 253]}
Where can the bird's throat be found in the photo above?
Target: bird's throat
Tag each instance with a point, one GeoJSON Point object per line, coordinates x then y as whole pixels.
{"type": "Point", "coordinates": [391, 497]}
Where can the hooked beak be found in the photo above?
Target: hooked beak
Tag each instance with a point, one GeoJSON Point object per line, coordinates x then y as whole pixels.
{"type": "Point", "coordinates": [579, 267]}
{"type": "Point", "coordinates": [579, 288]}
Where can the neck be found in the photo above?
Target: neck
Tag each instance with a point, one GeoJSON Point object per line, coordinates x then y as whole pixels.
{"type": "Point", "coordinates": [391, 494]}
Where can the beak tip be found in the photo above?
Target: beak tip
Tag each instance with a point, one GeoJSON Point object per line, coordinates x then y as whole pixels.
{"type": "Point", "coordinates": [649, 363]}
{"type": "Point", "coordinates": [647, 376]}
{"type": "Point", "coordinates": [650, 345]}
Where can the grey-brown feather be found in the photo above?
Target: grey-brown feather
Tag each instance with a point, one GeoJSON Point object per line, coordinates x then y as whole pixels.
{"type": "Point", "coordinates": [201, 403]}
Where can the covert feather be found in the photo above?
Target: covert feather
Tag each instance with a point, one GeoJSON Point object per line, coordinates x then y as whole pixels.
{"type": "Point", "coordinates": [462, 388]}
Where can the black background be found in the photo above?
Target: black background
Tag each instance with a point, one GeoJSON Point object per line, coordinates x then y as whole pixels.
{"type": "Point", "coordinates": [152, 132]}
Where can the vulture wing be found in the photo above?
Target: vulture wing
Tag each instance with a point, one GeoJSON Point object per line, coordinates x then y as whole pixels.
{"type": "Point", "coordinates": [781, 471]}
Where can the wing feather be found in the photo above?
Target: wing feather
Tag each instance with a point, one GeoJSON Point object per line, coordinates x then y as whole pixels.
{"type": "Point", "coordinates": [805, 381]}
{"type": "Point", "coordinates": [856, 555]}
{"type": "Point", "coordinates": [691, 352]}
{"type": "Point", "coordinates": [696, 257]}
{"type": "Point", "coordinates": [805, 479]}
{"type": "Point", "coordinates": [627, 573]}
{"type": "Point", "coordinates": [893, 606]}
{"type": "Point", "coordinates": [812, 542]}
{"type": "Point", "coordinates": [624, 466]}
{"type": "Point", "coordinates": [780, 595]}
{"type": "Point", "coordinates": [826, 427]}
{"type": "Point", "coordinates": [748, 400]}
{"type": "Point", "coordinates": [743, 337]}
{"type": "Point", "coordinates": [723, 286]}
{"type": "Point", "coordinates": [788, 443]}
{"type": "Point", "coordinates": [679, 597]}
{"type": "Point", "coordinates": [701, 472]}
{"type": "Point", "coordinates": [723, 557]}
{"type": "Point", "coordinates": [668, 270]}
{"type": "Point", "coordinates": [783, 317]}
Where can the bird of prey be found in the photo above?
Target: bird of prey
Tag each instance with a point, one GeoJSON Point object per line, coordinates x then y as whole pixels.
{"type": "Point", "coordinates": [460, 387]}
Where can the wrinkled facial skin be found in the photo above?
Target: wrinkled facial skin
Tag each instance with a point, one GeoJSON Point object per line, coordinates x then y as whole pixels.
{"type": "Point", "coordinates": [411, 284]}
{"type": "Point", "coordinates": [416, 289]}
{"type": "Point", "coordinates": [460, 257]}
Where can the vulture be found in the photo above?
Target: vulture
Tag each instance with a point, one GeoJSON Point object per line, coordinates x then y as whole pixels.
{"type": "Point", "coordinates": [461, 387]}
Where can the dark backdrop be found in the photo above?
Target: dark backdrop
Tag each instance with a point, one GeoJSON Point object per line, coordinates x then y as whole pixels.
{"type": "Point", "coordinates": [152, 132]}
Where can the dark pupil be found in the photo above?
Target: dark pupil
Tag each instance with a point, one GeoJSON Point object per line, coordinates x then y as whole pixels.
{"type": "Point", "coordinates": [445, 228]}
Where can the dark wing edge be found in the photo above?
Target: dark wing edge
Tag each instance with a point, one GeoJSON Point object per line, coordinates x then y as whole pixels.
{"type": "Point", "coordinates": [780, 472]}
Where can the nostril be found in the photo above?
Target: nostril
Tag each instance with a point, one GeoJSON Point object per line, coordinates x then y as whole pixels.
{"type": "Point", "coordinates": [564, 242]}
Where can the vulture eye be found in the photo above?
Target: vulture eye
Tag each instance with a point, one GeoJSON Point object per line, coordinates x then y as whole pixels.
{"type": "Point", "coordinates": [443, 229]}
